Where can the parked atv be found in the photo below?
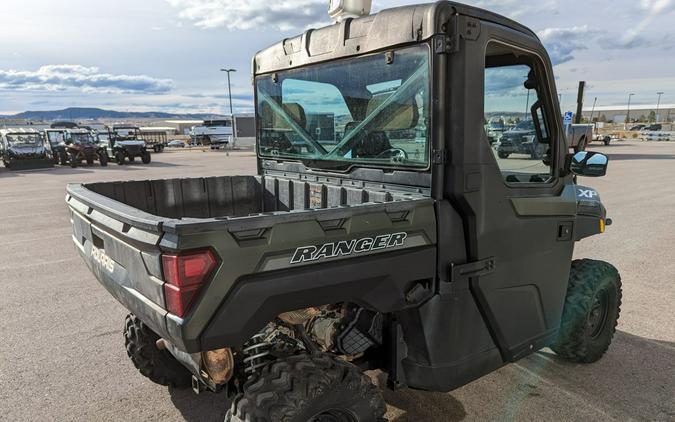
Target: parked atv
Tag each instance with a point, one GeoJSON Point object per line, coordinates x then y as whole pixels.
{"type": "Point", "coordinates": [124, 145]}
{"type": "Point", "coordinates": [22, 149]}
{"type": "Point", "coordinates": [82, 146]}
{"type": "Point", "coordinates": [57, 140]}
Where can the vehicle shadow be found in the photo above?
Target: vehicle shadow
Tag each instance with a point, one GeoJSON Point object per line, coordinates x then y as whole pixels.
{"type": "Point", "coordinates": [635, 380]}
{"type": "Point", "coordinates": [203, 407]}
{"type": "Point", "coordinates": [413, 406]}
{"type": "Point", "coordinates": [6, 173]}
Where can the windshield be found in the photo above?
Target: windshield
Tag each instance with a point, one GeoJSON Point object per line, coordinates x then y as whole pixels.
{"type": "Point", "coordinates": [56, 137]}
{"type": "Point", "coordinates": [30, 140]}
{"type": "Point", "coordinates": [82, 138]}
{"type": "Point", "coordinates": [371, 110]}
{"type": "Point", "coordinates": [524, 125]}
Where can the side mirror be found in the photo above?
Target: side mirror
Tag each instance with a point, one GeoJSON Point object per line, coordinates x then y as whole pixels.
{"type": "Point", "coordinates": [589, 163]}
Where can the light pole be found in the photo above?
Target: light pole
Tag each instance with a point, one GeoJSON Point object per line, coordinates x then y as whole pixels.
{"type": "Point", "coordinates": [658, 103]}
{"type": "Point", "coordinates": [595, 101]}
{"type": "Point", "coordinates": [628, 113]}
{"type": "Point", "coordinates": [229, 92]}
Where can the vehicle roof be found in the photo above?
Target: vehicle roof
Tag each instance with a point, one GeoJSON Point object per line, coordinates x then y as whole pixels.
{"type": "Point", "coordinates": [387, 28]}
{"type": "Point", "coordinates": [19, 130]}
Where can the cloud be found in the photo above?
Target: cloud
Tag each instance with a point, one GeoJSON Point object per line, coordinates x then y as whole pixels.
{"type": "Point", "coordinates": [61, 77]}
{"type": "Point", "coordinates": [654, 9]}
{"type": "Point", "coordinates": [252, 14]}
{"type": "Point", "coordinates": [561, 43]}
{"type": "Point", "coordinates": [516, 8]}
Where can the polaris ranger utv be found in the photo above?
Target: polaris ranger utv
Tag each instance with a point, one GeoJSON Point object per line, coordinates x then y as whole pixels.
{"type": "Point", "coordinates": [23, 149]}
{"type": "Point", "coordinates": [83, 146]}
{"type": "Point", "coordinates": [403, 244]}
{"type": "Point", "coordinates": [124, 143]}
{"type": "Point", "coordinates": [57, 140]}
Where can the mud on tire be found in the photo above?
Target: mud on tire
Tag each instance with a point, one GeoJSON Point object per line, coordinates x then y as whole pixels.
{"type": "Point", "coordinates": [303, 387]}
{"type": "Point", "coordinates": [157, 365]}
{"type": "Point", "coordinates": [591, 311]}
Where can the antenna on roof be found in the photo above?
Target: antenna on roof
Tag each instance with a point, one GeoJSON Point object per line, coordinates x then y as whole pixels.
{"type": "Point", "coordinates": [339, 10]}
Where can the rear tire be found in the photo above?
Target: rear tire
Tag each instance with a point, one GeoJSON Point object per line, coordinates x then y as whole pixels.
{"type": "Point", "coordinates": [73, 160]}
{"type": "Point", "coordinates": [103, 159]}
{"type": "Point", "coordinates": [607, 140]}
{"type": "Point", "coordinates": [157, 365]}
{"type": "Point", "coordinates": [502, 154]}
{"type": "Point", "coordinates": [63, 158]}
{"type": "Point", "coordinates": [591, 311]}
{"type": "Point", "coordinates": [304, 388]}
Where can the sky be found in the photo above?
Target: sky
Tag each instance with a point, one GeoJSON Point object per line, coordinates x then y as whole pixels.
{"type": "Point", "coordinates": [165, 55]}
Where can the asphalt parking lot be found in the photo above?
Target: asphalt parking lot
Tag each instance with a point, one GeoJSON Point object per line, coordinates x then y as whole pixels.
{"type": "Point", "coordinates": [62, 355]}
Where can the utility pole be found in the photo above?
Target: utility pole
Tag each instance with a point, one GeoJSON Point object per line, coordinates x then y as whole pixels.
{"type": "Point", "coordinates": [595, 101]}
{"type": "Point", "coordinates": [580, 102]}
{"type": "Point", "coordinates": [229, 92]}
{"type": "Point", "coordinates": [628, 114]}
{"type": "Point", "coordinates": [658, 103]}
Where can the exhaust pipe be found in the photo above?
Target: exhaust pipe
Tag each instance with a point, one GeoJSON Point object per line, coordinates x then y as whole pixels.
{"type": "Point", "coordinates": [210, 369]}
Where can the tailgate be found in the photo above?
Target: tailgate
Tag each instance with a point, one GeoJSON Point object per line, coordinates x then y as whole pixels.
{"type": "Point", "coordinates": [120, 246]}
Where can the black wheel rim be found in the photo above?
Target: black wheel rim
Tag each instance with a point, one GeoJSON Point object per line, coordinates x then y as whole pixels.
{"type": "Point", "coordinates": [597, 317]}
{"type": "Point", "coordinates": [334, 415]}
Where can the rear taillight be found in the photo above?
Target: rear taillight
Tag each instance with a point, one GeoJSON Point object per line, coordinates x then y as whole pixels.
{"type": "Point", "coordinates": [185, 274]}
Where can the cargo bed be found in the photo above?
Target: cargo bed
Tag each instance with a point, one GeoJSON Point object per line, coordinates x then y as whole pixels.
{"type": "Point", "coordinates": [254, 225]}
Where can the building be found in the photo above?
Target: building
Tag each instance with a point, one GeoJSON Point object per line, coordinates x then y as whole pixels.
{"type": "Point", "coordinates": [183, 127]}
{"type": "Point", "coordinates": [638, 112]}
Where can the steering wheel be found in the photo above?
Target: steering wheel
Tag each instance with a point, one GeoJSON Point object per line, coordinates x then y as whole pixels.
{"type": "Point", "coordinates": [395, 153]}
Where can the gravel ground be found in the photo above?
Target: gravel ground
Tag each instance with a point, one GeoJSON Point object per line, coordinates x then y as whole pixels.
{"type": "Point", "coordinates": [62, 354]}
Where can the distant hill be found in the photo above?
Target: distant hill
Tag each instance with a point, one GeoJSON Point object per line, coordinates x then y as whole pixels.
{"type": "Point", "coordinates": [80, 113]}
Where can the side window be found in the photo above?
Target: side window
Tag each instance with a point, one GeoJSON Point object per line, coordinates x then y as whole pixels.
{"type": "Point", "coordinates": [515, 118]}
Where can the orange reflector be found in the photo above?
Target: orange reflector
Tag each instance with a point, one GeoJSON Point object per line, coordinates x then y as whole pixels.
{"type": "Point", "coordinates": [602, 225]}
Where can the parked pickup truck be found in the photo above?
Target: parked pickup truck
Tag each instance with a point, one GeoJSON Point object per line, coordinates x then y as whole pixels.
{"type": "Point", "coordinates": [579, 135]}
{"type": "Point", "coordinates": [402, 244]}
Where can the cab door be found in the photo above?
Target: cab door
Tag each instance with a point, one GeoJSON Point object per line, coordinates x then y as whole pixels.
{"type": "Point", "coordinates": [519, 210]}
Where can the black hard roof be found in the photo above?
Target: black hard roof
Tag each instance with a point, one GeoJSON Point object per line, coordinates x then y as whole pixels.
{"type": "Point", "coordinates": [389, 27]}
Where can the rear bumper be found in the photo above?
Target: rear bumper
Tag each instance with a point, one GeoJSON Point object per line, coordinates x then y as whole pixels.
{"type": "Point", "coordinates": [27, 164]}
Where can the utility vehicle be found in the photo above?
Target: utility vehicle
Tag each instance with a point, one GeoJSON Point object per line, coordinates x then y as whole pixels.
{"type": "Point", "coordinates": [83, 146]}
{"type": "Point", "coordinates": [57, 136]}
{"type": "Point", "coordinates": [406, 247]}
{"type": "Point", "coordinates": [579, 135]}
{"type": "Point", "coordinates": [22, 149]}
{"type": "Point", "coordinates": [123, 143]}
{"type": "Point", "coordinates": [521, 139]}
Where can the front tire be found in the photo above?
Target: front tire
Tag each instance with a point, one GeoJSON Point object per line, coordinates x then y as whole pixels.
{"type": "Point", "coordinates": [307, 388]}
{"type": "Point", "coordinates": [73, 160]}
{"type": "Point", "coordinates": [591, 311]}
{"type": "Point", "coordinates": [103, 159]}
{"type": "Point", "coordinates": [119, 157]}
{"type": "Point", "coordinates": [157, 365]}
{"type": "Point", "coordinates": [145, 157]}
{"type": "Point", "coordinates": [502, 154]}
